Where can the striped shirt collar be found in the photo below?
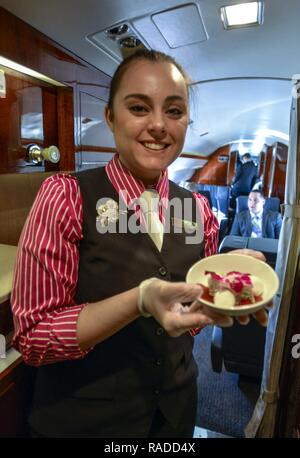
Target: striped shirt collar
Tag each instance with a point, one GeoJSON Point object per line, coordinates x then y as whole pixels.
{"type": "Point", "coordinates": [130, 188]}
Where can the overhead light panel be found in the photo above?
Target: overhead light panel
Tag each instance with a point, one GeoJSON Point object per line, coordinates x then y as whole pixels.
{"type": "Point", "coordinates": [242, 15]}
{"type": "Point", "coordinates": [118, 42]}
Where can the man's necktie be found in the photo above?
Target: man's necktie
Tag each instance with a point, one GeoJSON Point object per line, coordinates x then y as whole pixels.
{"type": "Point", "coordinates": [256, 226]}
{"type": "Point", "coordinates": [149, 205]}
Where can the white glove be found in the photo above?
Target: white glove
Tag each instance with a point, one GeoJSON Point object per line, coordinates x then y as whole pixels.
{"type": "Point", "coordinates": [165, 302]}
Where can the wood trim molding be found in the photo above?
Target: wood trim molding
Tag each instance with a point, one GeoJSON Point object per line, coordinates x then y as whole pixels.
{"type": "Point", "coordinates": [95, 149]}
{"type": "Point", "coordinates": [193, 156]}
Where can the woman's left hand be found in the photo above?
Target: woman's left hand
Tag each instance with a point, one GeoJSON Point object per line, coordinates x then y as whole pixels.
{"type": "Point", "coordinates": [261, 316]}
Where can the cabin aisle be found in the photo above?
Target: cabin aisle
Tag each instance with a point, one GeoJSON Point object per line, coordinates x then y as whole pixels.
{"type": "Point", "coordinates": [224, 406]}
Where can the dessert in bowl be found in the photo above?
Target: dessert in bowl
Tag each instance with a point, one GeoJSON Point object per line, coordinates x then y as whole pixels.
{"type": "Point", "coordinates": [234, 284]}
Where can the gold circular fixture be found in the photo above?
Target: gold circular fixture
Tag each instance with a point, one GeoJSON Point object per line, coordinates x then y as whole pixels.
{"type": "Point", "coordinates": [130, 42]}
{"type": "Point", "coordinates": [117, 31]}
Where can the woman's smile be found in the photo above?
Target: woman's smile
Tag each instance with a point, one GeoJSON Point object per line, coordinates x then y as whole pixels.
{"type": "Point", "coordinates": [154, 146]}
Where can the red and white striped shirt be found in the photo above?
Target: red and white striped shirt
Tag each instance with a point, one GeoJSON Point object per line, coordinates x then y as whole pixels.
{"type": "Point", "coordinates": [45, 313]}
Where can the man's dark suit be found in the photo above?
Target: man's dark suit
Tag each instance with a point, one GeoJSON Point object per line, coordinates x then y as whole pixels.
{"type": "Point", "coordinates": [245, 178]}
{"type": "Point", "coordinates": [271, 224]}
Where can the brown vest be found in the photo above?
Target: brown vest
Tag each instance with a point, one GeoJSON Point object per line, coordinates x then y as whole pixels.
{"type": "Point", "coordinates": [115, 389]}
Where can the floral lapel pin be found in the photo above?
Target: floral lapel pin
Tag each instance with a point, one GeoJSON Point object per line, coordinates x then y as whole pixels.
{"type": "Point", "coordinates": [108, 212]}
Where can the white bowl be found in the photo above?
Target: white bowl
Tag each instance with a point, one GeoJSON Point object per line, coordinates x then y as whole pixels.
{"type": "Point", "coordinates": [224, 263]}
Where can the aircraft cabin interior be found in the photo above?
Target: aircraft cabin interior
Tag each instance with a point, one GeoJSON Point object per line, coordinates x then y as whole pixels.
{"type": "Point", "coordinates": [57, 59]}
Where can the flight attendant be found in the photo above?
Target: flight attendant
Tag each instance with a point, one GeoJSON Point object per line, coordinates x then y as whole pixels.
{"type": "Point", "coordinates": [102, 313]}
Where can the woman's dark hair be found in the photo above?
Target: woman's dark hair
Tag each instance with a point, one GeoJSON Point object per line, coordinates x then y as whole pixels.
{"type": "Point", "coordinates": [141, 54]}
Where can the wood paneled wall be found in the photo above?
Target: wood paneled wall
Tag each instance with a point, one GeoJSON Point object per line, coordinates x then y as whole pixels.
{"type": "Point", "coordinates": [27, 46]}
{"type": "Point", "coordinates": [279, 174]}
{"type": "Point", "coordinates": [271, 167]}
{"type": "Point", "coordinates": [23, 44]}
{"type": "Point", "coordinates": [215, 170]}
{"type": "Point", "coordinates": [274, 171]}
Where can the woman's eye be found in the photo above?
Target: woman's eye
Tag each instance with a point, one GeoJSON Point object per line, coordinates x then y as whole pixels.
{"type": "Point", "coordinates": [138, 109]}
{"type": "Point", "coordinates": [175, 112]}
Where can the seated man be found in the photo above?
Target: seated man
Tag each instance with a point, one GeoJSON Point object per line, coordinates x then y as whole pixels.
{"type": "Point", "coordinates": [257, 222]}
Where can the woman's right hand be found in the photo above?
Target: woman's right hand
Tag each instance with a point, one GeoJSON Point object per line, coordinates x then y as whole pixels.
{"type": "Point", "coordinates": [165, 301]}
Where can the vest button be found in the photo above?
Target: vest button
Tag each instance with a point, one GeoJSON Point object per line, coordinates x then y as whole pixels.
{"type": "Point", "coordinates": [159, 331]}
{"type": "Point", "coordinates": [162, 271]}
{"type": "Point", "coordinates": [156, 390]}
{"type": "Point", "coordinates": [158, 362]}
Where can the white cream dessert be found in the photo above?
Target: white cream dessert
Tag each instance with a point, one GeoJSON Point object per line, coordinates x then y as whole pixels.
{"type": "Point", "coordinates": [234, 288]}
{"type": "Point", "coordinates": [224, 298]}
{"type": "Point", "coordinates": [258, 286]}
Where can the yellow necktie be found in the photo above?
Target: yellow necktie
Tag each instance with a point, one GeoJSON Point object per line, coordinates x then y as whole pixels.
{"type": "Point", "coordinates": [149, 205]}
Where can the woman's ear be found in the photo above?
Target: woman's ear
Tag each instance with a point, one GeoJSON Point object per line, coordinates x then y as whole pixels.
{"type": "Point", "coordinates": [109, 118]}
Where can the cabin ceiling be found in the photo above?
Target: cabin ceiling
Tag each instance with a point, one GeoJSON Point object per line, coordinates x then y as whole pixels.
{"type": "Point", "coordinates": [242, 78]}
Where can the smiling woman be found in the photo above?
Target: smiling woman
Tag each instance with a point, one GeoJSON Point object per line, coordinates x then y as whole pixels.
{"type": "Point", "coordinates": [148, 115]}
{"type": "Point", "coordinates": [103, 310]}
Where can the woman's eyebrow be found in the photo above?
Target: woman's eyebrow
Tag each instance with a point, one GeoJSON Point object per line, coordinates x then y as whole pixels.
{"type": "Point", "coordinates": [138, 96]}
{"type": "Point", "coordinates": [145, 98]}
{"type": "Point", "coordinates": [174, 98]}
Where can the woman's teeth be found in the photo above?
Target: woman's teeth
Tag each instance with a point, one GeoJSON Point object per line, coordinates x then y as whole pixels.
{"type": "Point", "coordinates": [155, 146]}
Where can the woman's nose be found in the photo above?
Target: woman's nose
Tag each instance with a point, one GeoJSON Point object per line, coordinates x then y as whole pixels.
{"type": "Point", "coordinates": [157, 124]}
